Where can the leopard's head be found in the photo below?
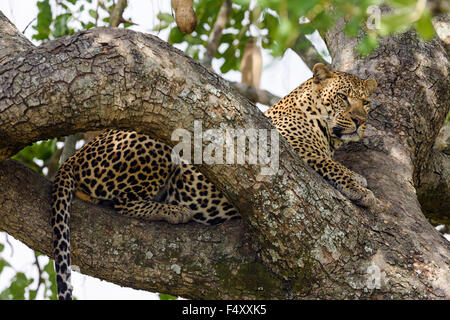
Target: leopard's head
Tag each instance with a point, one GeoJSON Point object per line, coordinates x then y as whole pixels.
{"type": "Point", "coordinates": [346, 99]}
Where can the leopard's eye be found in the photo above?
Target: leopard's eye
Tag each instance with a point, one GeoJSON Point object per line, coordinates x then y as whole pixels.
{"type": "Point", "coordinates": [342, 96]}
{"type": "Point", "coordinates": [366, 103]}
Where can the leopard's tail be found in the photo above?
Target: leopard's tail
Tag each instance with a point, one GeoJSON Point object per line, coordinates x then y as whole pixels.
{"type": "Point", "coordinates": [62, 193]}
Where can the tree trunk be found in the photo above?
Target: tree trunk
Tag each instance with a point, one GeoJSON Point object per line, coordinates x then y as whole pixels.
{"type": "Point", "coordinates": [299, 237]}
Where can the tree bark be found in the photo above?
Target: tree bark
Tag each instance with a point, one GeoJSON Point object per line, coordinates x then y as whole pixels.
{"type": "Point", "coordinates": [408, 110]}
{"type": "Point", "coordinates": [433, 191]}
{"type": "Point", "coordinates": [299, 237]}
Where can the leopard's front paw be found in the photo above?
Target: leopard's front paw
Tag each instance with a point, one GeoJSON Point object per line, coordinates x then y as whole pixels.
{"type": "Point", "coordinates": [366, 199]}
{"type": "Point", "coordinates": [360, 195]}
{"type": "Point", "coordinates": [178, 214]}
{"type": "Point", "coordinates": [359, 179]}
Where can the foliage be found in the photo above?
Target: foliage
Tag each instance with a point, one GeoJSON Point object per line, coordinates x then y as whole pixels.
{"type": "Point", "coordinates": [71, 17]}
{"type": "Point", "coordinates": [42, 150]}
{"type": "Point", "coordinates": [21, 287]}
{"type": "Point", "coordinates": [279, 23]}
{"type": "Point", "coordinates": [164, 296]}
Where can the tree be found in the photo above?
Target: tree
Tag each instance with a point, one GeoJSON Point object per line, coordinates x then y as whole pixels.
{"type": "Point", "coordinates": [299, 238]}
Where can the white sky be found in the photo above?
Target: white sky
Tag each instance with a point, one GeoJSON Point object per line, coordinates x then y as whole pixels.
{"type": "Point", "coordinates": [280, 76]}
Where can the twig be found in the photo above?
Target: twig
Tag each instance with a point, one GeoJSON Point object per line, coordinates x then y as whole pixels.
{"type": "Point", "coordinates": [116, 14]}
{"type": "Point", "coordinates": [53, 163]}
{"type": "Point", "coordinates": [28, 25]}
{"type": "Point", "coordinates": [96, 12]}
{"type": "Point", "coordinates": [36, 263]}
{"type": "Point", "coordinates": [216, 33]}
{"type": "Point", "coordinates": [69, 147]}
{"type": "Point", "coordinates": [10, 244]}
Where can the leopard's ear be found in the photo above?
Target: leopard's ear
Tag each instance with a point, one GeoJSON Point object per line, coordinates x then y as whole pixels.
{"type": "Point", "coordinates": [321, 72]}
{"type": "Point", "coordinates": [371, 85]}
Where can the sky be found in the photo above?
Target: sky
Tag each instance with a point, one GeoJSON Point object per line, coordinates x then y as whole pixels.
{"type": "Point", "coordinates": [279, 76]}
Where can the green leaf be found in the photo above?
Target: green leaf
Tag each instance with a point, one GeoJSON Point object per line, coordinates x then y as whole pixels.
{"type": "Point", "coordinates": [44, 150]}
{"type": "Point", "coordinates": [285, 28]}
{"type": "Point", "coordinates": [18, 285]}
{"type": "Point", "coordinates": [394, 23]}
{"type": "Point", "coordinates": [32, 294]}
{"type": "Point", "coordinates": [3, 264]}
{"type": "Point", "coordinates": [424, 26]}
{"type": "Point", "coordinates": [166, 17]}
{"type": "Point", "coordinates": [88, 25]}
{"type": "Point", "coordinates": [402, 3]}
{"type": "Point", "coordinates": [92, 13]}
{"type": "Point", "coordinates": [306, 28]}
{"type": "Point", "coordinates": [323, 21]}
{"type": "Point", "coordinates": [231, 61]}
{"type": "Point", "coordinates": [367, 44]}
{"type": "Point", "coordinates": [44, 20]}
{"type": "Point", "coordinates": [49, 268]}
{"type": "Point", "coordinates": [271, 24]}
{"type": "Point", "coordinates": [175, 36]}
{"type": "Point", "coordinates": [163, 296]}
{"type": "Point", "coordinates": [61, 27]}
{"type": "Point", "coordinates": [242, 3]}
{"type": "Point", "coordinates": [301, 8]}
{"type": "Point", "coordinates": [353, 26]}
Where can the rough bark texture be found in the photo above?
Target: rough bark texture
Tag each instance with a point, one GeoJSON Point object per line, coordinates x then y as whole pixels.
{"type": "Point", "coordinates": [188, 260]}
{"type": "Point", "coordinates": [299, 238]}
{"type": "Point", "coordinates": [433, 191]}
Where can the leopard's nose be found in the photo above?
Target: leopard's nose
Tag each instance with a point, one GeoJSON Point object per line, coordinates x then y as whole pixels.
{"type": "Point", "coordinates": [358, 121]}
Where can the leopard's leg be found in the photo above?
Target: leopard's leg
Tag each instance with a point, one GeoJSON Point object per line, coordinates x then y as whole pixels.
{"type": "Point", "coordinates": [359, 179]}
{"type": "Point", "coordinates": [351, 184]}
{"type": "Point", "coordinates": [152, 210]}
{"type": "Point", "coordinates": [85, 197]}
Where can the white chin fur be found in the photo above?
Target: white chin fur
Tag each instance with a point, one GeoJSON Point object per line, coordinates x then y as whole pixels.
{"type": "Point", "coordinates": [350, 137]}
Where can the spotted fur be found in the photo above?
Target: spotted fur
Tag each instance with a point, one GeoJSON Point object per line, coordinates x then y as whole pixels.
{"type": "Point", "coordinates": [136, 175]}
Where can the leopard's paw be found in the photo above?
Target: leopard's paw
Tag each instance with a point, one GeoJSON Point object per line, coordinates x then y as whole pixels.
{"type": "Point", "coordinates": [178, 214]}
{"type": "Point", "coordinates": [359, 179]}
{"type": "Point", "coordinates": [367, 199]}
{"type": "Point", "coordinates": [361, 196]}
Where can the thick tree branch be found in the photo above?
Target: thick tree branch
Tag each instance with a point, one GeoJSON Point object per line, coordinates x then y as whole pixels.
{"type": "Point", "coordinates": [115, 19]}
{"type": "Point", "coordinates": [303, 231]}
{"type": "Point", "coordinates": [151, 256]}
{"type": "Point", "coordinates": [433, 190]}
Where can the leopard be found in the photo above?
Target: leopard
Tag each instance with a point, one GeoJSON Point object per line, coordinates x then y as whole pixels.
{"type": "Point", "coordinates": [322, 114]}
{"type": "Point", "coordinates": [139, 176]}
